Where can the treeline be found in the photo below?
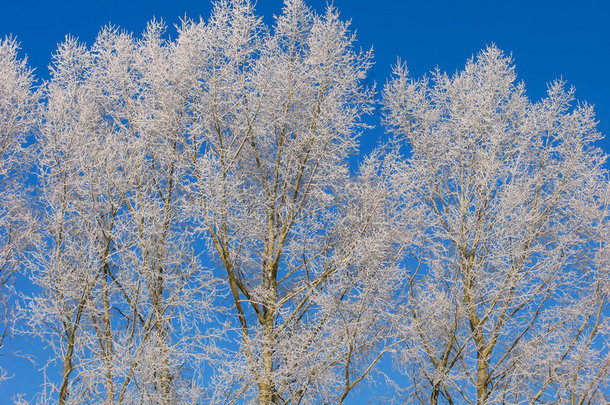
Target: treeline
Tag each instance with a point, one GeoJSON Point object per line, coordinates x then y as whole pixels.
{"type": "Point", "coordinates": [189, 217]}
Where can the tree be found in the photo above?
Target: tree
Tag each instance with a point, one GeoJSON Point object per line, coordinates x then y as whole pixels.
{"type": "Point", "coordinates": [509, 301]}
{"type": "Point", "coordinates": [303, 244]}
{"type": "Point", "coordinates": [125, 299]}
{"type": "Point", "coordinates": [17, 106]}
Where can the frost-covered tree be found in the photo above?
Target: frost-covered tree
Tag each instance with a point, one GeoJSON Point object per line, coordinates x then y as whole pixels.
{"type": "Point", "coordinates": [17, 118]}
{"type": "Point", "coordinates": [509, 300]}
{"type": "Point", "coordinates": [124, 298]}
{"type": "Point", "coordinates": [304, 246]}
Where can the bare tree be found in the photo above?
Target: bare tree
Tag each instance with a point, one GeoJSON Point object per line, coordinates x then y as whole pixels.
{"type": "Point", "coordinates": [125, 298]}
{"type": "Point", "coordinates": [509, 300]}
{"type": "Point", "coordinates": [275, 115]}
{"type": "Point", "coordinates": [17, 118]}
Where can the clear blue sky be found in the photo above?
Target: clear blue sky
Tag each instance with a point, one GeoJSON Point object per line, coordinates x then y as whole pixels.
{"type": "Point", "coordinates": [548, 40]}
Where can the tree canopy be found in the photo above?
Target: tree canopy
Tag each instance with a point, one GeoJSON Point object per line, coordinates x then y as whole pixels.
{"type": "Point", "coordinates": [197, 233]}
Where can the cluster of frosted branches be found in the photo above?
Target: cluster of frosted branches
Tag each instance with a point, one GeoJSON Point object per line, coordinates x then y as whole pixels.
{"type": "Point", "coordinates": [17, 118]}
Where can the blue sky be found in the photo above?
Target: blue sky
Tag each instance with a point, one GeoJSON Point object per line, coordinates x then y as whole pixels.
{"type": "Point", "coordinates": [548, 40]}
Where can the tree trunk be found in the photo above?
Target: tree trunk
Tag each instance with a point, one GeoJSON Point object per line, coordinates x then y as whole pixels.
{"type": "Point", "coordinates": [63, 391]}
{"type": "Point", "coordinates": [481, 378]}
